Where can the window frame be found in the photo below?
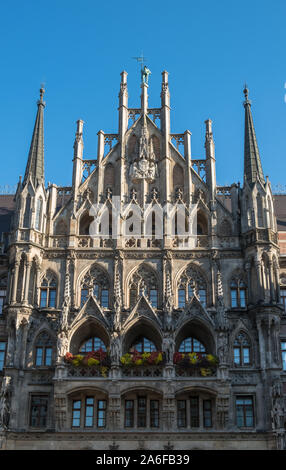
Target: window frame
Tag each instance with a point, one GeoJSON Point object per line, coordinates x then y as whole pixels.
{"type": "Point", "coordinates": [4, 351]}
{"type": "Point", "coordinates": [245, 397]}
{"type": "Point", "coordinates": [47, 400]}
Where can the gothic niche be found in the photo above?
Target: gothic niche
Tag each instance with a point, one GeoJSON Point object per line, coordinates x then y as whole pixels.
{"type": "Point", "coordinates": [96, 283]}
{"type": "Point", "coordinates": [144, 166]}
{"type": "Point", "coordinates": [191, 283]}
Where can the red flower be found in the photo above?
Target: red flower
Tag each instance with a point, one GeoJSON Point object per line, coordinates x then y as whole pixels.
{"type": "Point", "coordinates": [177, 357]}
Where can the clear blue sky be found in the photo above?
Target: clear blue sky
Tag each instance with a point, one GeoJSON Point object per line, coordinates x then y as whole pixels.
{"type": "Point", "coordinates": [78, 49]}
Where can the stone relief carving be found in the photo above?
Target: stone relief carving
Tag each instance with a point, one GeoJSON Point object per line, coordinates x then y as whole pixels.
{"type": "Point", "coordinates": [5, 396]}
{"type": "Point", "coordinates": [144, 167]}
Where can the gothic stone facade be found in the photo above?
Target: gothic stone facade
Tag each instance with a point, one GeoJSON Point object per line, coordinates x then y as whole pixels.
{"type": "Point", "coordinates": [64, 291]}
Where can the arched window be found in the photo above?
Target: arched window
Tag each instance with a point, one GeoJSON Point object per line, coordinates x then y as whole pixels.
{"type": "Point", "coordinates": [84, 224]}
{"type": "Point", "coordinates": [48, 291]}
{"type": "Point", "coordinates": [95, 283]}
{"type": "Point", "coordinates": [202, 224]}
{"type": "Point", "coordinates": [259, 211]}
{"type": "Point", "coordinates": [39, 209]}
{"type": "Point", "coordinates": [143, 344]}
{"type": "Point", "coordinates": [92, 344]}
{"type": "Point", "coordinates": [190, 345]}
{"type": "Point", "coordinates": [26, 221]}
{"type": "Point", "coordinates": [241, 350]}
{"type": "Point", "coordinates": [238, 293]}
{"type": "Point", "coordinates": [43, 350]}
{"type": "Point", "coordinates": [191, 283]}
{"type": "Point", "coordinates": [144, 282]}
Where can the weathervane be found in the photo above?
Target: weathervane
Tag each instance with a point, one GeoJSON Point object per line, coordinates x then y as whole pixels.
{"type": "Point", "coordinates": [145, 72]}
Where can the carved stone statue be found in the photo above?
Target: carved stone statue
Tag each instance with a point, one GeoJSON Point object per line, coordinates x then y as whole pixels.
{"type": "Point", "coordinates": [62, 345]}
{"type": "Point", "coordinates": [145, 74]}
{"type": "Point", "coordinates": [222, 347]}
{"type": "Point", "coordinates": [115, 348]}
{"type": "Point", "coordinates": [144, 167]}
{"type": "Point", "coordinates": [168, 347]}
{"type": "Point", "coordinates": [5, 402]}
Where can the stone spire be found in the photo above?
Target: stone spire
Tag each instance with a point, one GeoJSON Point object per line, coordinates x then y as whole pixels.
{"type": "Point", "coordinates": [252, 162]}
{"type": "Point", "coordinates": [35, 165]}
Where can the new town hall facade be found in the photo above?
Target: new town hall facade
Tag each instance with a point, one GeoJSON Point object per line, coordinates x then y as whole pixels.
{"type": "Point", "coordinates": [142, 342]}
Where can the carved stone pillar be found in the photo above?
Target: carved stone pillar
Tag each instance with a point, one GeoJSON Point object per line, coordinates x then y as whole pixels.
{"type": "Point", "coordinates": [114, 411]}
{"type": "Point", "coordinates": [271, 282]}
{"type": "Point", "coordinates": [261, 344]}
{"type": "Point", "coordinates": [15, 280]}
{"type": "Point", "coordinates": [249, 289]}
{"type": "Point", "coordinates": [259, 280]}
{"type": "Point", "coordinates": [222, 411]}
{"type": "Point", "coordinates": [60, 412]}
{"type": "Point", "coordinates": [27, 282]}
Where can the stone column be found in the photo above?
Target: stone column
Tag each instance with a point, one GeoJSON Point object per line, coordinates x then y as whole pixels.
{"type": "Point", "coordinates": [271, 282]}
{"type": "Point", "coordinates": [15, 280]}
{"type": "Point", "coordinates": [28, 266]}
{"type": "Point", "coordinates": [261, 344]}
{"type": "Point", "coordinates": [249, 290]}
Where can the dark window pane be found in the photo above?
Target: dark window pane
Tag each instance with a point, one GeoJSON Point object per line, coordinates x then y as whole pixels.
{"type": "Point", "coordinates": [154, 413]}
{"type": "Point", "coordinates": [194, 403]}
{"type": "Point", "coordinates": [104, 298]}
{"type": "Point", "coordinates": [181, 298]}
{"type": "Point", "coordinates": [52, 298]}
{"type": "Point", "coordinates": [101, 413]}
{"type": "Point", "coordinates": [39, 356]}
{"type": "Point", "coordinates": [141, 410]}
{"type": "Point", "coordinates": [39, 407]}
{"type": "Point", "coordinates": [43, 299]}
{"type": "Point", "coordinates": [89, 408]}
{"type": "Point", "coordinates": [84, 296]}
{"type": "Point", "coordinates": [181, 413]}
{"type": "Point", "coordinates": [76, 413]}
{"type": "Point", "coordinates": [207, 409]}
{"type": "Point", "coordinates": [154, 298]}
{"type": "Point", "coordinates": [48, 358]}
{"type": "Point", "coordinates": [129, 413]}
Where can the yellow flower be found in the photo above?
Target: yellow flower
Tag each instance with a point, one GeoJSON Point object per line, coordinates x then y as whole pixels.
{"type": "Point", "coordinates": [139, 362]}
{"type": "Point", "coordinates": [104, 371]}
{"type": "Point", "coordinates": [159, 358]}
{"type": "Point", "coordinates": [205, 372]}
{"type": "Point", "coordinates": [92, 362]}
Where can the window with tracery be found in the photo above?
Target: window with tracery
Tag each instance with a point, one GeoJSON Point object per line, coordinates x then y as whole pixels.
{"type": "Point", "coordinates": [89, 411]}
{"type": "Point", "coordinates": [192, 283]}
{"type": "Point", "coordinates": [238, 293]}
{"type": "Point", "coordinates": [190, 345]}
{"type": "Point", "coordinates": [195, 411]}
{"type": "Point", "coordinates": [141, 411]}
{"type": "Point", "coordinates": [96, 283]}
{"type": "Point", "coordinates": [92, 344]}
{"type": "Point", "coordinates": [48, 291]}
{"type": "Point", "coordinates": [241, 350]}
{"type": "Point", "coordinates": [143, 281]}
{"type": "Point", "coordinates": [142, 345]}
{"type": "Point", "coordinates": [43, 350]}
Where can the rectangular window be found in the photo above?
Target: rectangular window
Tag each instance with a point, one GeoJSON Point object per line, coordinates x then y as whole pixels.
{"type": "Point", "coordinates": [181, 298]}
{"type": "Point", "coordinates": [244, 412]}
{"type": "Point", "coordinates": [76, 409]}
{"type": "Point", "coordinates": [234, 298]}
{"type": "Point", "coordinates": [283, 296]}
{"type": "Point", "coordinates": [154, 298]}
{"type": "Point", "coordinates": [2, 300]}
{"type": "Point", "coordinates": [89, 410]}
{"type": "Point", "coordinates": [154, 413]}
{"type": "Point", "coordinates": [39, 356]}
{"type": "Point", "coordinates": [43, 298]}
{"type": "Point", "coordinates": [207, 412]}
{"type": "Point", "coordinates": [142, 412]}
{"type": "Point", "coordinates": [48, 356]}
{"type": "Point", "coordinates": [129, 413]}
{"type": "Point", "coordinates": [101, 413]}
{"type": "Point", "coordinates": [236, 352]}
{"type": "Point", "coordinates": [195, 420]}
{"type": "Point", "coordinates": [246, 357]}
{"type": "Point", "coordinates": [39, 408]}
{"type": "Point", "coordinates": [242, 298]}
{"type": "Point", "coordinates": [181, 414]}
{"type": "Point", "coordinates": [52, 298]}
{"type": "Point", "coordinates": [283, 353]}
{"type": "Point", "coordinates": [104, 298]}
{"type": "Point", "coordinates": [2, 354]}
{"type": "Point", "coordinates": [203, 297]}
{"type": "Point", "coordinates": [84, 295]}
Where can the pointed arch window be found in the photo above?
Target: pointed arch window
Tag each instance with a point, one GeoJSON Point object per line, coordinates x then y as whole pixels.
{"type": "Point", "coordinates": [143, 282]}
{"type": "Point", "coordinates": [92, 344]}
{"type": "Point", "coordinates": [259, 211]}
{"type": "Point", "coordinates": [142, 345]}
{"type": "Point", "coordinates": [192, 283]}
{"type": "Point", "coordinates": [238, 293]}
{"type": "Point", "coordinates": [95, 283]}
{"type": "Point", "coordinates": [43, 350]}
{"type": "Point", "coordinates": [241, 350]}
{"type": "Point", "coordinates": [26, 220]}
{"type": "Point", "coordinates": [39, 210]}
{"type": "Point", "coordinates": [48, 291]}
{"type": "Point", "coordinates": [190, 345]}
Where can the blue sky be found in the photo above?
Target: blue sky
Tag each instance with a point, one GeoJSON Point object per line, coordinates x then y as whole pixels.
{"type": "Point", "coordinates": [78, 49]}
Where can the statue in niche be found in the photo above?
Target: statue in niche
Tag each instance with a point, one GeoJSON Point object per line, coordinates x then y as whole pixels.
{"type": "Point", "coordinates": [144, 167]}
{"type": "Point", "coordinates": [5, 402]}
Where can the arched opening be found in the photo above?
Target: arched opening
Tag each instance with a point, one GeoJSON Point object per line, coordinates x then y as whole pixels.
{"type": "Point", "coordinates": [202, 224]}
{"type": "Point", "coordinates": [61, 228]}
{"type": "Point", "coordinates": [27, 213]}
{"type": "Point", "coordinates": [143, 335]}
{"type": "Point", "coordinates": [84, 223]}
{"type": "Point", "coordinates": [195, 336]}
{"type": "Point", "coordinates": [90, 336]}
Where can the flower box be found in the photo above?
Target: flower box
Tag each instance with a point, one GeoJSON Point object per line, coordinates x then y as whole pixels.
{"type": "Point", "coordinates": [95, 359]}
{"type": "Point", "coordinates": [205, 364]}
{"type": "Point", "coordinates": [136, 359]}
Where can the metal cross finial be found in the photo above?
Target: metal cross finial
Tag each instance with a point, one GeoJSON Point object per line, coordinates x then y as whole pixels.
{"type": "Point", "coordinates": [141, 59]}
